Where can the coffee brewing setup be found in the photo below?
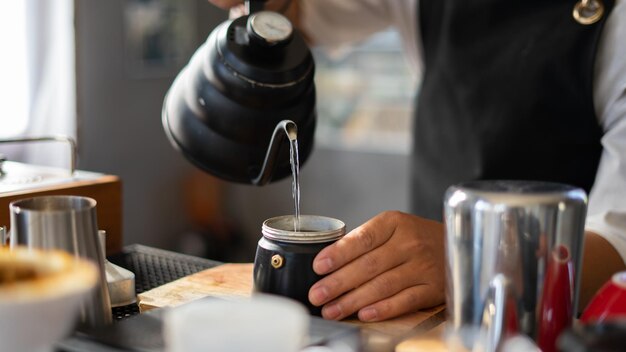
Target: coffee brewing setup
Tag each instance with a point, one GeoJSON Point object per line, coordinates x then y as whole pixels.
{"type": "Point", "coordinates": [245, 92]}
{"type": "Point", "coordinates": [513, 246]}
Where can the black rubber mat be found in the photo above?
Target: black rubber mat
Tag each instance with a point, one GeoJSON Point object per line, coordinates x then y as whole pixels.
{"type": "Point", "coordinates": [154, 267]}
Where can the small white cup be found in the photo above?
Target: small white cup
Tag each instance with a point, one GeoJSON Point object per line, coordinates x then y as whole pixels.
{"type": "Point", "coordinates": [263, 323]}
{"type": "Point", "coordinates": [38, 311]}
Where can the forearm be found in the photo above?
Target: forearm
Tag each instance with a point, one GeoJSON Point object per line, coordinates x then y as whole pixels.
{"type": "Point", "coordinates": [600, 262]}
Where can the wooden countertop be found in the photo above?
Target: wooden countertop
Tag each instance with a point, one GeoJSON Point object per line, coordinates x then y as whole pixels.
{"type": "Point", "coordinates": [418, 331]}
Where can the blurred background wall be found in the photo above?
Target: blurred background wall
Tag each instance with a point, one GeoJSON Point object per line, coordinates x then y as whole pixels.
{"type": "Point", "coordinates": [167, 203]}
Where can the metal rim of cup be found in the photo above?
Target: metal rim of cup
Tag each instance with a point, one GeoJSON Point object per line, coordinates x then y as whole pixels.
{"type": "Point", "coordinates": [60, 203]}
{"type": "Point", "coordinates": [516, 192]}
{"type": "Point", "coordinates": [313, 229]}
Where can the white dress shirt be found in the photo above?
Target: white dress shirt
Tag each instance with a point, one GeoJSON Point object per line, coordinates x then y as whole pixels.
{"type": "Point", "coordinates": [335, 23]}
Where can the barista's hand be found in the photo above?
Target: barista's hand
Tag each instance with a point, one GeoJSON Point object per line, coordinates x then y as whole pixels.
{"type": "Point", "coordinates": [288, 8]}
{"type": "Point", "coordinates": [391, 265]}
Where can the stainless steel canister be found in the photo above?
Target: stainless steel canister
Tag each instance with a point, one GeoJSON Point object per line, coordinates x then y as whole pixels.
{"type": "Point", "coordinates": [513, 261]}
{"type": "Point", "coordinates": [68, 223]}
{"type": "Point", "coordinates": [284, 258]}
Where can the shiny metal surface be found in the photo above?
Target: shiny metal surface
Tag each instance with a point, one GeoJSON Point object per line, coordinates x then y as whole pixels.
{"type": "Point", "coordinates": [273, 27]}
{"type": "Point", "coordinates": [2, 160]}
{"type": "Point", "coordinates": [502, 238]}
{"type": "Point", "coordinates": [120, 281]}
{"type": "Point", "coordinates": [68, 223]}
{"type": "Point", "coordinates": [313, 229]}
{"type": "Point", "coordinates": [63, 139]}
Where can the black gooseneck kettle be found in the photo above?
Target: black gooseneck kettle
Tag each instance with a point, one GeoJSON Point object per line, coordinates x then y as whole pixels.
{"type": "Point", "coordinates": [243, 91]}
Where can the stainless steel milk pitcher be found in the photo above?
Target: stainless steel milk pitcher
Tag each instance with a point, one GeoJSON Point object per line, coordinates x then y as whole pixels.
{"type": "Point", "coordinates": [513, 258]}
{"type": "Point", "coordinates": [67, 223]}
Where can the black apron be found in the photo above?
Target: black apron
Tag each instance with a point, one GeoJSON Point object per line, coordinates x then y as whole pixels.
{"type": "Point", "coordinates": [506, 94]}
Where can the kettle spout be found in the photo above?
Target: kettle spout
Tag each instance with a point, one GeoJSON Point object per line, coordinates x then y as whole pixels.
{"type": "Point", "coordinates": [285, 128]}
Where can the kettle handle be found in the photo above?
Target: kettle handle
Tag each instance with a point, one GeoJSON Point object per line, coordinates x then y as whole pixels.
{"type": "Point", "coordinates": [253, 6]}
{"type": "Point", "coordinates": [285, 128]}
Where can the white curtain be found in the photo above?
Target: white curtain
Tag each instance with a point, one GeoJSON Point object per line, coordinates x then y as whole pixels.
{"type": "Point", "coordinates": [51, 75]}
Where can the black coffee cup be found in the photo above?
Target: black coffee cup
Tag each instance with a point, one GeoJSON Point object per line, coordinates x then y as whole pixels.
{"type": "Point", "coordinates": [284, 258]}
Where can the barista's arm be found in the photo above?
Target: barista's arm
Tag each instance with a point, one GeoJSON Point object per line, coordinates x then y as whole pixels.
{"type": "Point", "coordinates": [605, 241]}
{"type": "Point", "coordinates": [600, 262]}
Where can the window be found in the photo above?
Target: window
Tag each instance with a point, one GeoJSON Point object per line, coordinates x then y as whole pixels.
{"type": "Point", "coordinates": [14, 87]}
{"type": "Point", "coordinates": [365, 97]}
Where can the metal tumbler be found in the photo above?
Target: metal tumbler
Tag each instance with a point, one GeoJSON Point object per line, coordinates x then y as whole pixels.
{"type": "Point", "coordinates": [513, 261]}
{"type": "Point", "coordinates": [68, 223]}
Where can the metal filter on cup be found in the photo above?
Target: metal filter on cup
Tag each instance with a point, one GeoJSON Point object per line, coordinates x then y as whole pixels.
{"type": "Point", "coordinates": [513, 260]}
{"type": "Point", "coordinates": [284, 258]}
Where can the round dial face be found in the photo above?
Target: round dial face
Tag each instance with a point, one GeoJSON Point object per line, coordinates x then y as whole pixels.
{"type": "Point", "coordinates": [271, 26]}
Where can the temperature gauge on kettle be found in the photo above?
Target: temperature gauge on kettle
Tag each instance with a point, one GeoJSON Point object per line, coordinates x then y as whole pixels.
{"type": "Point", "coordinates": [270, 28]}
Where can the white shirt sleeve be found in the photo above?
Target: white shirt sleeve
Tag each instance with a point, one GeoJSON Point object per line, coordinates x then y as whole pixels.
{"type": "Point", "coordinates": [606, 214]}
{"type": "Point", "coordinates": [335, 24]}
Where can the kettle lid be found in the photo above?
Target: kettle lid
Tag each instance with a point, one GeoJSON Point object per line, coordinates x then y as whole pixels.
{"type": "Point", "coordinates": [258, 52]}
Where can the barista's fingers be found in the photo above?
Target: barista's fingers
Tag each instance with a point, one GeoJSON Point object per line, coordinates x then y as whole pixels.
{"type": "Point", "coordinates": [273, 5]}
{"type": "Point", "coordinates": [408, 300]}
{"type": "Point", "coordinates": [226, 4]}
{"type": "Point", "coordinates": [363, 239]}
{"type": "Point", "coordinates": [363, 269]}
{"type": "Point", "coordinates": [381, 287]}
{"type": "Point", "coordinates": [237, 11]}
